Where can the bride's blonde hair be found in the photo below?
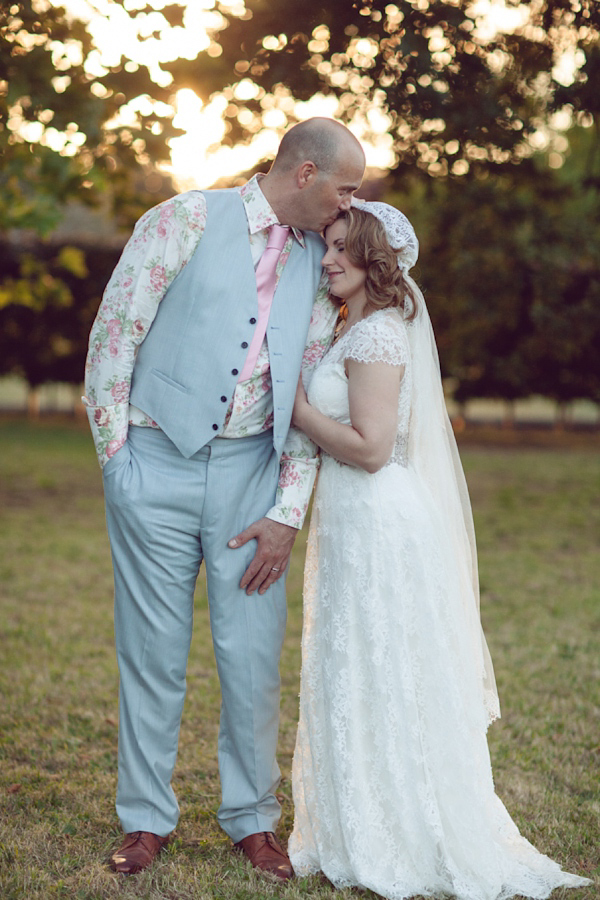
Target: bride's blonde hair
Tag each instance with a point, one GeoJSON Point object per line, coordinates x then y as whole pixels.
{"type": "Point", "coordinates": [367, 247]}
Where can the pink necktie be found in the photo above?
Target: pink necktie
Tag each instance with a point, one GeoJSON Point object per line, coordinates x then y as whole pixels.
{"type": "Point", "coordinates": [265, 285]}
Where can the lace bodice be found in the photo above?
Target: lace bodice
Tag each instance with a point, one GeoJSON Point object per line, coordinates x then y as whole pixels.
{"type": "Point", "coordinates": [380, 337]}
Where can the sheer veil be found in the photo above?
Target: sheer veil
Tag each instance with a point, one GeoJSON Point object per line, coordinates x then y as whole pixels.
{"type": "Point", "coordinates": [433, 451]}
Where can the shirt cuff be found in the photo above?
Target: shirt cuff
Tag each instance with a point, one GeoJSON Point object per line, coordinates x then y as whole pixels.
{"type": "Point", "coordinates": [293, 493]}
{"type": "Point", "coordinates": [109, 426]}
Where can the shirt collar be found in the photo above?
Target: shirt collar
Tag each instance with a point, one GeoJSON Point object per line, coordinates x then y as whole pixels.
{"type": "Point", "coordinates": [258, 209]}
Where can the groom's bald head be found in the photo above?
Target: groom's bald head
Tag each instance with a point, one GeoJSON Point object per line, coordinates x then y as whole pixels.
{"type": "Point", "coordinates": [317, 169]}
{"type": "Point", "coordinates": [318, 140]}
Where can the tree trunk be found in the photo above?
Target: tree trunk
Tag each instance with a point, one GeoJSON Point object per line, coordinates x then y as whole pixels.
{"type": "Point", "coordinates": [33, 401]}
{"type": "Point", "coordinates": [459, 420]}
{"type": "Point", "coordinates": [78, 407]}
{"type": "Point", "coordinates": [509, 414]}
{"type": "Point", "coordinates": [561, 419]}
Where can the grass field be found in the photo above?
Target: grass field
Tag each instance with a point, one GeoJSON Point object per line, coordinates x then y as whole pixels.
{"type": "Point", "coordinates": [538, 523]}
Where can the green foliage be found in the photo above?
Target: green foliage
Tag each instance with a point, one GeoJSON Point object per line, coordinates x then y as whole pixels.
{"type": "Point", "coordinates": [48, 299]}
{"type": "Point", "coordinates": [72, 259]}
{"type": "Point", "coordinates": [456, 99]}
{"type": "Point", "coordinates": [510, 257]}
{"type": "Point", "coordinates": [35, 288]}
{"type": "Point", "coordinates": [57, 134]}
{"type": "Point", "coordinates": [510, 264]}
{"type": "Point", "coordinates": [60, 144]}
{"type": "Point", "coordinates": [33, 308]}
{"type": "Point", "coordinates": [31, 182]}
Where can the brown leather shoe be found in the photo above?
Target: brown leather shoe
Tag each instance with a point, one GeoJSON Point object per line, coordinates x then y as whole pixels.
{"type": "Point", "coordinates": [265, 852]}
{"type": "Point", "coordinates": [137, 852]}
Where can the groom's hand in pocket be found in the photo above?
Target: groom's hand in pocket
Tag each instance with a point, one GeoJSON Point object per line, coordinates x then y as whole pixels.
{"type": "Point", "coordinates": [274, 542]}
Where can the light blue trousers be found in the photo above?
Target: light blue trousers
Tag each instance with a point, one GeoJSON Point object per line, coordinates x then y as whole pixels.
{"type": "Point", "coordinates": [165, 514]}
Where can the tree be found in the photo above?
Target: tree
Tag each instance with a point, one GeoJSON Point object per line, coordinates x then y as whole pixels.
{"type": "Point", "coordinates": [48, 299]}
{"type": "Point", "coordinates": [564, 347]}
{"type": "Point", "coordinates": [509, 252]}
{"type": "Point", "coordinates": [508, 260]}
{"type": "Point", "coordinates": [511, 268]}
{"type": "Point", "coordinates": [60, 137]}
{"type": "Point", "coordinates": [456, 98]}
{"type": "Point", "coordinates": [62, 143]}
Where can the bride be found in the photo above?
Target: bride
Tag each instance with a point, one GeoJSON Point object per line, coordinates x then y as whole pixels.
{"type": "Point", "coordinates": [392, 782]}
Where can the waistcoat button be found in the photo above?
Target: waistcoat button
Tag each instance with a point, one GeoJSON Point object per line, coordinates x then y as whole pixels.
{"type": "Point", "coordinates": [215, 427]}
{"type": "Point", "coordinates": [223, 399]}
{"type": "Point", "coordinates": [253, 321]}
{"type": "Point", "coordinates": [244, 344]}
{"type": "Point", "coordinates": [234, 372]}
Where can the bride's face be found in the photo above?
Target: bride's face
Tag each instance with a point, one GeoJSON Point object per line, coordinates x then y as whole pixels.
{"type": "Point", "coordinates": [346, 280]}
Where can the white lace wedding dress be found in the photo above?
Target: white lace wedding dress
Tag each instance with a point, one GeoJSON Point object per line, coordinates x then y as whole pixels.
{"type": "Point", "coordinates": [392, 782]}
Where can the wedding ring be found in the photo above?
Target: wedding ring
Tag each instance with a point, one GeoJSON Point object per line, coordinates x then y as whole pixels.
{"type": "Point", "coordinates": [274, 569]}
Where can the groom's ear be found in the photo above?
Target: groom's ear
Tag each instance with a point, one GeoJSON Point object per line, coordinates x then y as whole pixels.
{"type": "Point", "coordinates": [306, 174]}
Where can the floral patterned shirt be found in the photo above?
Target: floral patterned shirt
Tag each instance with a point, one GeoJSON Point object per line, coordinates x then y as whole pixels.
{"type": "Point", "coordinates": [163, 241]}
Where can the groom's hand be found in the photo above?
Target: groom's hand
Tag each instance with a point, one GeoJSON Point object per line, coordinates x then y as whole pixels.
{"type": "Point", "coordinates": [274, 545]}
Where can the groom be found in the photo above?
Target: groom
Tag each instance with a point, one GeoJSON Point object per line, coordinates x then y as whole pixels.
{"type": "Point", "coordinates": [190, 381]}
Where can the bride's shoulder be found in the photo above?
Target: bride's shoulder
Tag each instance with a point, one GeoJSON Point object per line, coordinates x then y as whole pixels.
{"type": "Point", "coordinates": [380, 335]}
{"type": "Point", "coordinates": [391, 318]}
{"type": "Point", "coordinates": [388, 322]}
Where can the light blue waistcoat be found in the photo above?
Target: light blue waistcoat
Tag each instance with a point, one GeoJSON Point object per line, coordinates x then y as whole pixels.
{"type": "Point", "coordinates": [187, 368]}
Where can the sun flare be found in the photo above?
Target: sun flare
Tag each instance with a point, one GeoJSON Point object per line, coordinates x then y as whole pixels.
{"type": "Point", "coordinates": [201, 156]}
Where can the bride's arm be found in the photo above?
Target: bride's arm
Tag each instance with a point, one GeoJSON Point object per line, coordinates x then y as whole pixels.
{"type": "Point", "coordinates": [368, 442]}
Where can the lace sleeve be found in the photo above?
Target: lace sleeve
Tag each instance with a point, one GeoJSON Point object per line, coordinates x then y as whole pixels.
{"type": "Point", "coordinates": [381, 337]}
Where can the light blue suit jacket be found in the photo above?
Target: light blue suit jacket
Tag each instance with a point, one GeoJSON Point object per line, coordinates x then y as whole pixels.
{"type": "Point", "coordinates": [188, 366]}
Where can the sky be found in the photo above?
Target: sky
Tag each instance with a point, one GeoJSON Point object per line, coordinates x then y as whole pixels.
{"type": "Point", "coordinates": [198, 158]}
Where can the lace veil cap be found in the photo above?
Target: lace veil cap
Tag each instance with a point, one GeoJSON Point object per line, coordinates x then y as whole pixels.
{"type": "Point", "coordinates": [433, 451]}
{"type": "Point", "coordinates": [400, 233]}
